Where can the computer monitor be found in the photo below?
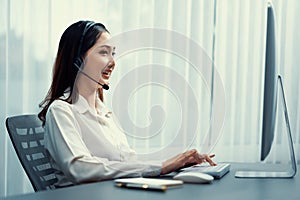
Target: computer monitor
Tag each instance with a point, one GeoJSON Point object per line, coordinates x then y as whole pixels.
{"type": "Point", "coordinates": [270, 86]}
{"type": "Point", "coordinates": [270, 172]}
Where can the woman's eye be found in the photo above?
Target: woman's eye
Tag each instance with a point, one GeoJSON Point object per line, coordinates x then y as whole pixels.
{"type": "Point", "coordinates": [107, 52]}
{"type": "Point", "coordinates": [104, 52]}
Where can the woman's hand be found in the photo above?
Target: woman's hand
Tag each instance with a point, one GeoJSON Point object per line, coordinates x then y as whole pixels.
{"type": "Point", "coordinates": [188, 158]}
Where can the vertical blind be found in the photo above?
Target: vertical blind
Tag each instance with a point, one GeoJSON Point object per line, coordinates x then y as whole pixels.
{"type": "Point", "coordinates": [162, 86]}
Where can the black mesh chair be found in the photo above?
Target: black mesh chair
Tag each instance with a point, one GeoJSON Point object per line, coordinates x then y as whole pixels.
{"type": "Point", "coordinates": [27, 136]}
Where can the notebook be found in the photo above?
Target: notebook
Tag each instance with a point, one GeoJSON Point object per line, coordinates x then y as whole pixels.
{"type": "Point", "coordinates": [147, 183]}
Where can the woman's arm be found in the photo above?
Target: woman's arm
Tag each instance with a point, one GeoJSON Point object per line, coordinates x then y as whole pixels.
{"type": "Point", "coordinates": [64, 142]}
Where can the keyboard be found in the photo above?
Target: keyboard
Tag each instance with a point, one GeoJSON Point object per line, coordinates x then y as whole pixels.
{"type": "Point", "coordinates": [217, 171]}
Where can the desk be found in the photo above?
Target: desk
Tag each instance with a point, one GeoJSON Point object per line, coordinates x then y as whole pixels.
{"type": "Point", "coordinates": [228, 187]}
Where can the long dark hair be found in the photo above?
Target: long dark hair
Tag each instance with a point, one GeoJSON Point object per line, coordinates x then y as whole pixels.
{"type": "Point", "coordinates": [64, 71]}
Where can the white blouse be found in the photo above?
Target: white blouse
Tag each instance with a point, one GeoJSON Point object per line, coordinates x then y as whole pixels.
{"type": "Point", "coordinates": [85, 145]}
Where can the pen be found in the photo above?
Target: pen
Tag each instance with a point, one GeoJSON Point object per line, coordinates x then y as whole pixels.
{"type": "Point", "coordinates": [142, 186]}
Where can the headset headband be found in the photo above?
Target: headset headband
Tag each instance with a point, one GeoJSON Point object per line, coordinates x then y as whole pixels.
{"type": "Point", "coordinates": [88, 25]}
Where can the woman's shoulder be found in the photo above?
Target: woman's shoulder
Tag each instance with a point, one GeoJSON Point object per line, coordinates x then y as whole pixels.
{"type": "Point", "coordinates": [60, 108]}
{"type": "Point", "coordinates": [59, 103]}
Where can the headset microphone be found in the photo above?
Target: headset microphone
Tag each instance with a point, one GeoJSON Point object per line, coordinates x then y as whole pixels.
{"type": "Point", "coordinates": [104, 86]}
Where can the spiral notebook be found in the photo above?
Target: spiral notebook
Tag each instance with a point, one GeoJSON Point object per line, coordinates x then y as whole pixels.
{"type": "Point", "coordinates": [147, 183]}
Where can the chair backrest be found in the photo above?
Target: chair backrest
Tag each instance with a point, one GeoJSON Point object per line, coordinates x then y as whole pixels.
{"type": "Point", "coordinates": [27, 136]}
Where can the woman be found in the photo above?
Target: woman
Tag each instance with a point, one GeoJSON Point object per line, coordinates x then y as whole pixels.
{"type": "Point", "coordinates": [81, 136]}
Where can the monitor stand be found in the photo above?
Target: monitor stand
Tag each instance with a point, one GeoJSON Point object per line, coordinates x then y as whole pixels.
{"type": "Point", "coordinates": [276, 174]}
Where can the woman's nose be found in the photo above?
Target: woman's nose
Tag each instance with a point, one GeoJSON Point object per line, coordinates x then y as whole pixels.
{"type": "Point", "coordinates": [111, 64]}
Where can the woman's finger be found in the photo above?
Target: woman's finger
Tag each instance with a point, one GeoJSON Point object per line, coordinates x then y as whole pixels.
{"type": "Point", "coordinates": [212, 155]}
{"type": "Point", "coordinates": [209, 160]}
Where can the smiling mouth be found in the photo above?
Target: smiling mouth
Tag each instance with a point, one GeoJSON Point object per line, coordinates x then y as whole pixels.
{"type": "Point", "coordinates": [106, 74]}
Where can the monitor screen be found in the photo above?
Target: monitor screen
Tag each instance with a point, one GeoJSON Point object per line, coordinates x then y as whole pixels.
{"type": "Point", "coordinates": [270, 86]}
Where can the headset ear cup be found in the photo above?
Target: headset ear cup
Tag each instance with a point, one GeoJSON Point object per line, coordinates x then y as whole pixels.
{"type": "Point", "coordinates": [77, 63]}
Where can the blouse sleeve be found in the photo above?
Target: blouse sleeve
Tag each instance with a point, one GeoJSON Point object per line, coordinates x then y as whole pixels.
{"type": "Point", "coordinates": [66, 147]}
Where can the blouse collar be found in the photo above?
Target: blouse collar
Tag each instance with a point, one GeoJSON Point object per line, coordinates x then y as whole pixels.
{"type": "Point", "coordinates": [82, 106]}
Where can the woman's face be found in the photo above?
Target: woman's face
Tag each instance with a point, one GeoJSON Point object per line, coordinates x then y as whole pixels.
{"type": "Point", "coordinates": [99, 62]}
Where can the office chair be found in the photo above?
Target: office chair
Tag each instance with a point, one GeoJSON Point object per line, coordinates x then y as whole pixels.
{"type": "Point", "coordinates": [27, 136]}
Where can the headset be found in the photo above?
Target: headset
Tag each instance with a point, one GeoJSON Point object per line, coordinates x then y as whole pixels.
{"type": "Point", "coordinates": [79, 60]}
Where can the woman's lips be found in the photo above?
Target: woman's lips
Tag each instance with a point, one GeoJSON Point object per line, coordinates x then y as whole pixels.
{"type": "Point", "coordinates": [106, 74]}
{"type": "Point", "coordinates": [107, 71]}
